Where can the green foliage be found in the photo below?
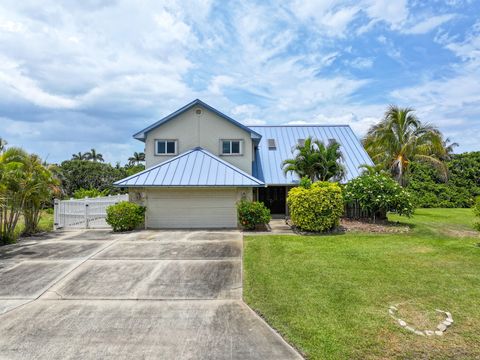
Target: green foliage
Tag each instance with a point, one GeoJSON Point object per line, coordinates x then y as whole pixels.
{"type": "Point", "coordinates": [90, 193]}
{"type": "Point", "coordinates": [316, 161]}
{"type": "Point", "coordinates": [133, 169]}
{"type": "Point", "coordinates": [463, 185]}
{"type": "Point", "coordinates": [476, 212]}
{"type": "Point", "coordinates": [26, 186]}
{"type": "Point", "coordinates": [80, 174]}
{"type": "Point", "coordinates": [305, 182]}
{"type": "Point", "coordinates": [125, 216]}
{"type": "Point", "coordinates": [316, 209]}
{"type": "Point", "coordinates": [377, 194]}
{"type": "Point", "coordinates": [400, 138]}
{"type": "Point", "coordinates": [252, 213]}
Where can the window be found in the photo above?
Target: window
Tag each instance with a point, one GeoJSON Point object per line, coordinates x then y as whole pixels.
{"type": "Point", "coordinates": [301, 142]}
{"type": "Point", "coordinates": [231, 147]}
{"type": "Point", "coordinates": [271, 144]}
{"type": "Point", "coordinates": [165, 147]}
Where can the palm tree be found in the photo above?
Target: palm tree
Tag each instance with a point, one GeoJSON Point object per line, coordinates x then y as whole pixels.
{"type": "Point", "coordinates": [316, 161]}
{"type": "Point", "coordinates": [79, 156]}
{"type": "Point", "coordinates": [94, 156]}
{"type": "Point", "coordinates": [137, 158]}
{"type": "Point", "coordinates": [400, 138]}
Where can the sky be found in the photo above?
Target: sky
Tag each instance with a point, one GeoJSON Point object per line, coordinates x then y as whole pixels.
{"type": "Point", "coordinates": [76, 75]}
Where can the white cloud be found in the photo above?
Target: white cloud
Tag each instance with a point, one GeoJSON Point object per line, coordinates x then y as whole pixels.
{"type": "Point", "coordinates": [428, 25]}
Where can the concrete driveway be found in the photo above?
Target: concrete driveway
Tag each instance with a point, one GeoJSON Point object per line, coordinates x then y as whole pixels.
{"type": "Point", "coordinates": [146, 295]}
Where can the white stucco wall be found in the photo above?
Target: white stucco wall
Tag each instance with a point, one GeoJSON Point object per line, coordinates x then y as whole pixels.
{"type": "Point", "coordinates": [205, 130]}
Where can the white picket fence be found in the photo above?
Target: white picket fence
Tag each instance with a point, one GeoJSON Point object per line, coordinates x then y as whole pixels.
{"type": "Point", "coordinates": [88, 213]}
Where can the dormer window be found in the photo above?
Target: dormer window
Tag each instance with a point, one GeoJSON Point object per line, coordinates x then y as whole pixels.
{"type": "Point", "coordinates": [271, 144]}
{"type": "Point", "coordinates": [301, 142]}
{"type": "Point", "coordinates": [231, 147]}
{"type": "Point", "coordinates": [165, 147]}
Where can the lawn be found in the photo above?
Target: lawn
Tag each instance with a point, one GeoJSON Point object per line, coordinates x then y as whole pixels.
{"type": "Point", "coordinates": [329, 295]}
{"type": "Point", "coordinates": [45, 224]}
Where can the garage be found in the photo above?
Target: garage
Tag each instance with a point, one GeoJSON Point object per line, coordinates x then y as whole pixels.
{"type": "Point", "coordinates": [191, 208]}
{"type": "Point", "coordinates": [190, 191]}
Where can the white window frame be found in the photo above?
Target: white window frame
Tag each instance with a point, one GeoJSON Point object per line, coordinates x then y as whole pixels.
{"type": "Point", "coordinates": [231, 140]}
{"type": "Point", "coordinates": [165, 141]}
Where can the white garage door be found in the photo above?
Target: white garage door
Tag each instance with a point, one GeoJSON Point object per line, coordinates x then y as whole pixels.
{"type": "Point", "coordinates": [191, 208]}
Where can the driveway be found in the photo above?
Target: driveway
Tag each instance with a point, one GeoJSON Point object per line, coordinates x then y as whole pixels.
{"type": "Point", "coordinates": [146, 295]}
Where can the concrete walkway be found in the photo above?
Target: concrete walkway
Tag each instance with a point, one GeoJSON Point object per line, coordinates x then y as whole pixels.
{"type": "Point", "coordinates": [149, 295]}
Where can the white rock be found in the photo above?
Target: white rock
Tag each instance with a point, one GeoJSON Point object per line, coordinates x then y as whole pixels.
{"type": "Point", "coordinates": [439, 333]}
{"type": "Point", "coordinates": [402, 323]}
{"type": "Point", "coordinates": [429, 332]}
{"type": "Point", "coordinates": [441, 327]}
{"type": "Point", "coordinates": [418, 332]}
{"type": "Point", "coordinates": [447, 323]}
{"type": "Point", "coordinates": [409, 328]}
{"type": "Point", "coordinates": [449, 315]}
{"type": "Point", "coordinates": [390, 311]}
{"type": "Point", "coordinates": [393, 308]}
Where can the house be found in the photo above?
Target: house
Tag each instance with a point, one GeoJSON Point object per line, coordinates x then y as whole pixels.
{"type": "Point", "coordinates": [200, 162]}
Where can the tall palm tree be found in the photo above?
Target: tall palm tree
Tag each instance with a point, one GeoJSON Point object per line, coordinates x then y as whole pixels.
{"type": "Point", "coordinates": [137, 158]}
{"type": "Point", "coordinates": [400, 138]}
{"type": "Point", "coordinates": [316, 161]}
{"type": "Point", "coordinates": [79, 156]}
{"type": "Point", "coordinates": [94, 156]}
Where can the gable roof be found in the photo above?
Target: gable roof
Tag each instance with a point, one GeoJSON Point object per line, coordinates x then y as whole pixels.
{"type": "Point", "coordinates": [268, 162]}
{"type": "Point", "coordinates": [194, 168]}
{"type": "Point", "coordinates": [141, 134]}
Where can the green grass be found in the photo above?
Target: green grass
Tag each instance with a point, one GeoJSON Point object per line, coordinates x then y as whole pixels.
{"type": "Point", "coordinates": [45, 224]}
{"type": "Point", "coordinates": [329, 295]}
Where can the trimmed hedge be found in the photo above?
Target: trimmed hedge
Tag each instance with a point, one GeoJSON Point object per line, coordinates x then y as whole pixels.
{"type": "Point", "coordinates": [252, 213]}
{"type": "Point", "coordinates": [125, 216]}
{"type": "Point", "coordinates": [376, 194]}
{"type": "Point", "coordinates": [317, 208]}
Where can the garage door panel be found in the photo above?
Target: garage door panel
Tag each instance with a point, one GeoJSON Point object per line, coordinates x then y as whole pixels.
{"type": "Point", "coordinates": [173, 208]}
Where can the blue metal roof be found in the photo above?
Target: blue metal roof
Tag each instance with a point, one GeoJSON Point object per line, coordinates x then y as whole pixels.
{"type": "Point", "coordinates": [268, 163]}
{"type": "Point", "coordinates": [142, 134]}
{"type": "Point", "coordinates": [194, 168]}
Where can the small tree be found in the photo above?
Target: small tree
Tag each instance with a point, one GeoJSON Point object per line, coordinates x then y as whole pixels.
{"type": "Point", "coordinates": [376, 194]}
{"type": "Point", "coordinates": [44, 186]}
{"type": "Point", "coordinates": [316, 161]}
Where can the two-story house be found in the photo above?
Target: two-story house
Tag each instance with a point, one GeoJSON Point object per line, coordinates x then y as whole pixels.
{"type": "Point", "coordinates": [200, 162]}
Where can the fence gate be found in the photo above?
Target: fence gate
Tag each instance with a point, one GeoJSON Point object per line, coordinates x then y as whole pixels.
{"type": "Point", "coordinates": [88, 213]}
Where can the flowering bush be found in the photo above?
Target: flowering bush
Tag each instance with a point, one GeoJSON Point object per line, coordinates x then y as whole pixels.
{"type": "Point", "coordinates": [317, 208]}
{"type": "Point", "coordinates": [377, 194]}
{"type": "Point", "coordinates": [252, 213]}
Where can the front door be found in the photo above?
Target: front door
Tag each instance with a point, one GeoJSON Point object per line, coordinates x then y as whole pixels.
{"type": "Point", "coordinates": [274, 198]}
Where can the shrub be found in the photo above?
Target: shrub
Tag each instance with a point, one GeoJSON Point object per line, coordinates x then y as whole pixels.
{"type": "Point", "coordinates": [305, 182]}
{"type": "Point", "coordinates": [476, 211]}
{"type": "Point", "coordinates": [376, 194]}
{"type": "Point", "coordinates": [90, 193]}
{"type": "Point", "coordinates": [125, 216]}
{"type": "Point", "coordinates": [252, 213]}
{"type": "Point", "coordinates": [316, 209]}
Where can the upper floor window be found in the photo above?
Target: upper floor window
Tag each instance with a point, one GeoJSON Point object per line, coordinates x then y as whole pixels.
{"type": "Point", "coordinates": [231, 147]}
{"type": "Point", "coordinates": [165, 147]}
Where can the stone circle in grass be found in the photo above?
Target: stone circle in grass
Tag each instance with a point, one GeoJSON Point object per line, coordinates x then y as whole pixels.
{"type": "Point", "coordinates": [422, 323]}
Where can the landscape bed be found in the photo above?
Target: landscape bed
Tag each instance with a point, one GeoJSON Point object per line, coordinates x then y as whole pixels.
{"type": "Point", "coordinates": [329, 296]}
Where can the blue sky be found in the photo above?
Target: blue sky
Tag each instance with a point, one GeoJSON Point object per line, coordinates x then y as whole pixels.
{"type": "Point", "coordinates": [81, 74]}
